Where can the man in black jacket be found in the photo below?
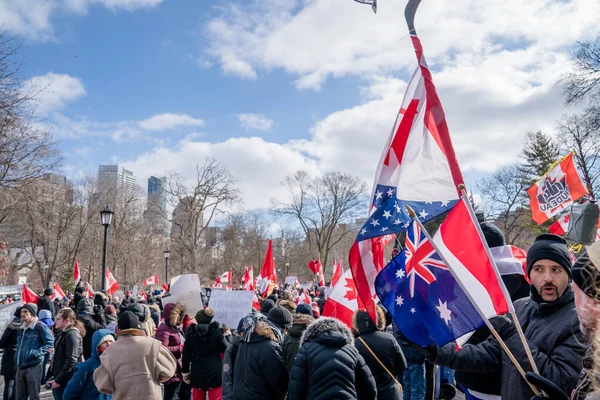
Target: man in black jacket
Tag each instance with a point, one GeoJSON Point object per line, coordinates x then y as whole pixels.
{"type": "Point", "coordinates": [46, 303]}
{"type": "Point", "coordinates": [549, 321]}
{"type": "Point", "coordinates": [85, 313]}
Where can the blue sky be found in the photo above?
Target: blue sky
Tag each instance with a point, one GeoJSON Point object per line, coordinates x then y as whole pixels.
{"type": "Point", "coordinates": [270, 87]}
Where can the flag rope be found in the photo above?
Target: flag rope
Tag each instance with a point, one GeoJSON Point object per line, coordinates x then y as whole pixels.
{"type": "Point", "coordinates": [510, 355]}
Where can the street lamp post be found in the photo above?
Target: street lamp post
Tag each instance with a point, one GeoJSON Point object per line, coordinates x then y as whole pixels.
{"type": "Point", "coordinates": [106, 218]}
{"type": "Point", "coordinates": [46, 283]}
{"type": "Point", "coordinates": [167, 255]}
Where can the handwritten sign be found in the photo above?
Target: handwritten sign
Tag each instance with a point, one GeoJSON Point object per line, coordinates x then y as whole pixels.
{"type": "Point", "coordinates": [6, 314]}
{"type": "Point", "coordinates": [230, 305]}
{"type": "Point", "coordinates": [185, 290]}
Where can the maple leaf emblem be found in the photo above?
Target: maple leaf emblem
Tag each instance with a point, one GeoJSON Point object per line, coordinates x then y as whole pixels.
{"type": "Point", "coordinates": [350, 290]}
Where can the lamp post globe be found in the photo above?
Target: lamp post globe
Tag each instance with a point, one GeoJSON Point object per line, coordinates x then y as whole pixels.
{"type": "Point", "coordinates": [106, 216]}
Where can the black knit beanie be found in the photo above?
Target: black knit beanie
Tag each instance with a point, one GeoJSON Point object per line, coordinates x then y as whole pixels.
{"type": "Point", "coordinates": [32, 308]}
{"type": "Point", "coordinates": [128, 320]}
{"type": "Point", "coordinates": [281, 317]}
{"type": "Point", "coordinates": [493, 235]}
{"type": "Point", "coordinates": [48, 291]}
{"type": "Point", "coordinates": [205, 315]}
{"type": "Point", "coordinates": [549, 247]}
{"type": "Point", "coordinates": [266, 305]}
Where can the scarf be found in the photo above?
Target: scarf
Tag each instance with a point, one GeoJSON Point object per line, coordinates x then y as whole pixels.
{"type": "Point", "coordinates": [249, 325]}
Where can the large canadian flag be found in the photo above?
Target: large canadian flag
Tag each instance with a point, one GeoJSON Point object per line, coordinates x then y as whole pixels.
{"type": "Point", "coordinates": [153, 280]}
{"type": "Point", "coordinates": [111, 283]}
{"type": "Point", "coordinates": [267, 273]}
{"type": "Point", "coordinates": [343, 300]}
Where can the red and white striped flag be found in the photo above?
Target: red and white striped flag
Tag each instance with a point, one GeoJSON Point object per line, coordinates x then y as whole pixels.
{"type": "Point", "coordinates": [153, 280]}
{"type": "Point", "coordinates": [57, 293]}
{"type": "Point", "coordinates": [111, 283]}
{"type": "Point", "coordinates": [557, 189]}
{"type": "Point", "coordinates": [76, 273]}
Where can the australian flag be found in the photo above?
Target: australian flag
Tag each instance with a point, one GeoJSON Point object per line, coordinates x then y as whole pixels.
{"type": "Point", "coordinates": [422, 296]}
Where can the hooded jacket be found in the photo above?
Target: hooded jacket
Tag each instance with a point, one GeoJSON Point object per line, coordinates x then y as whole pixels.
{"type": "Point", "coordinates": [8, 343]}
{"type": "Point", "coordinates": [68, 348]}
{"type": "Point", "coordinates": [387, 350]}
{"type": "Point", "coordinates": [202, 355]}
{"type": "Point", "coordinates": [134, 367]}
{"type": "Point", "coordinates": [85, 314]}
{"type": "Point", "coordinates": [328, 366]}
{"type": "Point", "coordinates": [228, 370]}
{"type": "Point", "coordinates": [259, 371]}
{"type": "Point", "coordinates": [171, 337]}
{"type": "Point", "coordinates": [291, 343]}
{"type": "Point", "coordinates": [81, 385]}
{"type": "Point", "coordinates": [155, 313]}
{"type": "Point", "coordinates": [554, 337]}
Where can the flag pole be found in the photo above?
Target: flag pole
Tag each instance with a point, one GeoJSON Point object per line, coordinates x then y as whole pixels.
{"type": "Point", "coordinates": [511, 307]}
{"type": "Point", "coordinates": [510, 355]}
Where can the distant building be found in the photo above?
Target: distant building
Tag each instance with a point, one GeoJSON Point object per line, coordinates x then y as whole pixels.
{"type": "Point", "coordinates": [183, 221]}
{"type": "Point", "coordinates": [157, 197]}
{"type": "Point", "coordinates": [213, 235]}
{"type": "Point", "coordinates": [111, 179]}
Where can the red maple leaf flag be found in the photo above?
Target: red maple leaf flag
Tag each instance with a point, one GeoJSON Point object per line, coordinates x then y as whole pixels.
{"type": "Point", "coordinates": [89, 292]}
{"type": "Point", "coordinates": [165, 287]}
{"type": "Point", "coordinates": [557, 189]}
{"type": "Point", "coordinates": [303, 298]}
{"type": "Point", "coordinates": [561, 225]}
{"type": "Point", "coordinates": [57, 293]}
{"type": "Point", "coordinates": [111, 283]}
{"type": "Point", "coordinates": [248, 280]}
{"type": "Point", "coordinates": [343, 300]}
{"type": "Point", "coordinates": [337, 272]}
{"type": "Point", "coordinates": [267, 273]}
{"type": "Point", "coordinates": [28, 295]}
{"type": "Point", "coordinates": [321, 275]}
{"type": "Point", "coordinates": [76, 273]}
{"type": "Point", "coordinates": [153, 280]}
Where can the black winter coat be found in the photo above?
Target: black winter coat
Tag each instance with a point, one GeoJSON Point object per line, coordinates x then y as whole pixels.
{"type": "Point", "coordinates": [202, 352]}
{"type": "Point", "coordinates": [228, 363]}
{"type": "Point", "coordinates": [68, 348]}
{"type": "Point", "coordinates": [84, 314]}
{"type": "Point", "coordinates": [328, 366]}
{"type": "Point", "coordinates": [388, 351]}
{"type": "Point", "coordinates": [45, 303]}
{"type": "Point", "coordinates": [8, 343]}
{"type": "Point", "coordinates": [553, 334]}
{"type": "Point", "coordinates": [291, 343]}
{"type": "Point", "coordinates": [259, 371]}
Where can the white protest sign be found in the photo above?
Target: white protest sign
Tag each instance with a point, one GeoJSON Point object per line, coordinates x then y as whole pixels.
{"type": "Point", "coordinates": [6, 314]}
{"type": "Point", "coordinates": [134, 291]}
{"type": "Point", "coordinates": [185, 290]}
{"type": "Point", "coordinates": [291, 280]}
{"type": "Point", "coordinates": [230, 305]}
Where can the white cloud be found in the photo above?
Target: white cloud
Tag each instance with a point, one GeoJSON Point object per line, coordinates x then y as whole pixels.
{"type": "Point", "coordinates": [33, 18]}
{"type": "Point", "coordinates": [257, 122]}
{"type": "Point", "coordinates": [51, 92]}
{"type": "Point", "coordinates": [169, 121]}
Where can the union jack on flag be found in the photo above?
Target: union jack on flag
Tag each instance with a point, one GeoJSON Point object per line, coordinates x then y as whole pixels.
{"type": "Point", "coordinates": [420, 257]}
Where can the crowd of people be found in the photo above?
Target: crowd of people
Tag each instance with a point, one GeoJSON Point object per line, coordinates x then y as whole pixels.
{"type": "Point", "coordinates": [137, 348]}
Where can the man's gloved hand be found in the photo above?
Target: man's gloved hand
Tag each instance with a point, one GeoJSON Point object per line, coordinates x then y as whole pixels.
{"type": "Point", "coordinates": [429, 351]}
{"type": "Point", "coordinates": [503, 326]}
{"type": "Point", "coordinates": [553, 391]}
{"type": "Point", "coordinates": [186, 378]}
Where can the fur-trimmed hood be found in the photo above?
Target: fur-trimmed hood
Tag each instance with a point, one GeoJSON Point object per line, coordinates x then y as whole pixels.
{"type": "Point", "coordinates": [363, 323]}
{"type": "Point", "coordinates": [301, 321]}
{"type": "Point", "coordinates": [130, 332]}
{"type": "Point", "coordinates": [203, 332]}
{"type": "Point", "coordinates": [154, 307]}
{"type": "Point", "coordinates": [171, 313]}
{"type": "Point", "coordinates": [328, 331]}
{"type": "Point", "coordinates": [263, 329]}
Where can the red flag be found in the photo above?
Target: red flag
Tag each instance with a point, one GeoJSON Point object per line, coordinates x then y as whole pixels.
{"type": "Point", "coordinates": [225, 277]}
{"type": "Point", "coordinates": [144, 295]}
{"type": "Point", "coordinates": [89, 292]}
{"type": "Point", "coordinates": [561, 225]}
{"type": "Point", "coordinates": [248, 279]}
{"type": "Point", "coordinates": [315, 265]}
{"type": "Point", "coordinates": [321, 275]}
{"type": "Point", "coordinates": [165, 286]}
{"type": "Point", "coordinates": [76, 273]}
{"type": "Point", "coordinates": [557, 189]}
{"type": "Point", "coordinates": [255, 302]}
{"type": "Point", "coordinates": [337, 272]}
{"type": "Point", "coordinates": [111, 283]}
{"type": "Point", "coordinates": [460, 243]}
{"type": "Point", "coordinates": [58, 293]}
{"type": "Point", "coordinates": [267, 273]}
{"type": "Point", "coordinates": [153, 280]}
{"type": "Point", "coordinates": [303, 298]}
{"type": "Point", "coordinates": [343, 300]}
{"type": "Point", "coordinates": [28, 295]}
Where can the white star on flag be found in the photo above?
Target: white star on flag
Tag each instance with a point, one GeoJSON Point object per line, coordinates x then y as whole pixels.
{"type": "Point", "coordinates": [423, 214]}
{"type": "Point", "coordinates": [390, 192]}
{"type": "Point", "coordinates": [444, 311]}
{"type": "Point", "coordinates": [445, 203]}
{"type": "Point", "coordinates": [400, 274]}
{"type": "Point", "coordinates": [374, 222]}
{"type": "Point", "coordinates": [363, 231]}
{"type": "Point", "coordinates": [383, 229]}
{"type": "Point", "coordinates": [397, 221]}
{"type": "Point", "coordinates": [386, 214]}
{"type": "Point", "coordinates": [406, 224]}
{"type": "Point", "coordinates": [412, 310]}
{"type": "Point", "coordinates": [399, 301]}
{"type": "Point", "coordinates": [378, 194]}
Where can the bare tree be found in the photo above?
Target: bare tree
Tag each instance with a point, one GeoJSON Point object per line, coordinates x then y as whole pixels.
{"type": "Point", "coordinates": [504, 199]}
{"type": "Point", "coordinates": [584, 80]}
{"type": "Point", "coordinates": [582, 135]}
{"type": "Point", "coordinates": [196, 204]}
{"type": "Point", "coordinates": [320, 205]}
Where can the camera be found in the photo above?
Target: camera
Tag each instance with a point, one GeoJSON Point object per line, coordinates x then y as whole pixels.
{"type": "Point", "coordinates": [48, 386]}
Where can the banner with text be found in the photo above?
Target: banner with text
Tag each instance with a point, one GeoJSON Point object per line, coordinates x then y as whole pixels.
{"type": "Point", "coordinates": [230, 305]}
